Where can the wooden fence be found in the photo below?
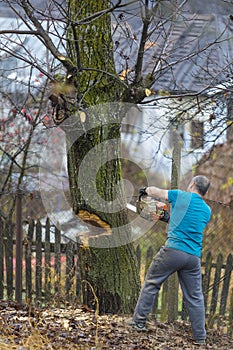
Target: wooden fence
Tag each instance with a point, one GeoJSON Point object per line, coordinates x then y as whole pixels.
{"type": "Point", "coordinates": [49, 268]}
{"type": "Point", "coordinates": [217, 289]}
{"type": "Point", "coordinates": [50, 274]}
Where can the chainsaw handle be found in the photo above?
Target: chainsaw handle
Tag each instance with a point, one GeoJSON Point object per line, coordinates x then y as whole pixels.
{"type": "Point", "coordinates": [166, 216]}
{"type": "Point", "coordinates": [142, 192]}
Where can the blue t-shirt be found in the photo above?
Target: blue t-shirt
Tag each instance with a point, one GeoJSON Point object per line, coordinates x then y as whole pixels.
{"type": "Point", "coordinates": [189, 217]}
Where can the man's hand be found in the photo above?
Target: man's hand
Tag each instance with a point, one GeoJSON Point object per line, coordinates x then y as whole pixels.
{"type": "Point", "coordinates": [164, 216]}
{"type": "Point", "coordinates": [156, 217]}
{"type": "Point", "coordinates": [162, 213]}
{"type": "Point", "coordinates": [142, 192]}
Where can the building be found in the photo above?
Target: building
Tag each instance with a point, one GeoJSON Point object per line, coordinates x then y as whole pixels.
{"type": "Point", "coordinates": [190, 53]}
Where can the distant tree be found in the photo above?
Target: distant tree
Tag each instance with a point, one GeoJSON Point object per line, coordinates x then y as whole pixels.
{"type": "Point", "coordinates": [22, 127]}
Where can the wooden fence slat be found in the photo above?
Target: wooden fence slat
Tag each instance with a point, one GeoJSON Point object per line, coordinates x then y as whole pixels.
{"type": "Point", "coordinates": [70, 274]}
{"type": "Point", "coordinates": [230, 320]}
{"type": "Point", "coordinates": [47, 261]}
{"type": "Point", "coordinates": [164, 302]}
{"type": "Point", "coordinates": [18, 249]}
{"type": "Point", "coordinates": [184, 312]}
{"type": "Point", "coordinates": [1, 259]}
{"type": "Point", "coordinates": [38, 261]}
{"type": "Point", "coordinates": [173, 287]}
{"type": "Point", "coordinates": [8, 238]}
{"type": "Point", "coordinates": [28, 260]}
{"type": "Point", "coordinates": [206, 277]}
{"type": "Point", "coordinates": [78, 276]}
{"type": "Point", "coordinates": [57, 252]}
{"type": "Point", "coordinates": [70, 267]}
{"type": "Point", "coordinates": [214, 300]}
{"type": "Point", "coordinates": [149, 258]}
{"type": "Point", "coordinates": [226, 284]}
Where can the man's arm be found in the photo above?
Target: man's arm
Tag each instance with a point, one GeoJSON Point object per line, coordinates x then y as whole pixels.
{"type": "Point", "coordinates": [157, 192]}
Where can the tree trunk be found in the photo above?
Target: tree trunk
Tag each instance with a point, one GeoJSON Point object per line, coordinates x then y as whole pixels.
{"type": "Point", "coordinates": [109, 269]}
{"type": "Point", "coordinates": [230, 119]}
{"type": "Point", "coordinates": [175, 179]}
{"type": "Point", "coordinates": [106, 254]}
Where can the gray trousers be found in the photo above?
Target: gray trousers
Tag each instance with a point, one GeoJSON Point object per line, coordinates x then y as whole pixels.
{"type": "Point", "coordinates": [188, 267]}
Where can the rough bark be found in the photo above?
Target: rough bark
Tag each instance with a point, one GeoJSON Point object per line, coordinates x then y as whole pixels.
{"type": "Point", "coordinates": [109, 274]}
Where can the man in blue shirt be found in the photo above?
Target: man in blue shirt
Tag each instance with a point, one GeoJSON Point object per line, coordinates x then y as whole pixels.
{"type": "Point", "coordinates": [182, 251]}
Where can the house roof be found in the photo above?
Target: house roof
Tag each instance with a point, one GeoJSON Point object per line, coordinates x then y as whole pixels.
{"type": "Point", "coordinates": [190, 49]}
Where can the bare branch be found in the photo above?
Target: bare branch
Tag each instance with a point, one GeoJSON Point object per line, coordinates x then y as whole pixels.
{"type": "Point", "coordinates": [45, 39]}
{"type": "Point", "coordinates": [19, 32]}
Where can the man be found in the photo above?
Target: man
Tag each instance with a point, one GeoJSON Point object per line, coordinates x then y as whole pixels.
{"type": "Point", "coordinates": [182, 251]}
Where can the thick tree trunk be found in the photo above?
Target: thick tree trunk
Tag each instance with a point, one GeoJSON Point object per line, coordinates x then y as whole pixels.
{"type": "Point", "coordinates": [109, 270]}
{"type": "Point", "coordinates": [112, 273]}
{"type": "Point", "coordinates": [107, 260]}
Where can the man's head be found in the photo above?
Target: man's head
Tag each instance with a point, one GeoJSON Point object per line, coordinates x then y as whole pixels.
{"type": "Point", "coordinates": [199, 184]}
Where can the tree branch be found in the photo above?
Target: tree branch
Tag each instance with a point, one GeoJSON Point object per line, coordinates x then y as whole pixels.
{"type": "Point", "coordinates": [141, 50]}
{"type": "Point", "coordinates": [45, 39]}
{"type": "Point", "coordinates": [20, 32]}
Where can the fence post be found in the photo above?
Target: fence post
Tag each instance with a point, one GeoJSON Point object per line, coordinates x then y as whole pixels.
{"type": "Point", "coordinates": [8, 240]}
{"type": "Point", "coordinates": [18, 268]}
{"type": "Point", "coordinates": [206, 277]}
{"type": "Point", "coordinates": [217, 276]}
{"type": "Point", "coordinates": [57, 253]}
{"type": "Point", "coordinates": [230, 324]}
{"type": "Point", "coordinates": [226, 284]}
{"type": "Point", "coordinates": [28, 260]}
{"type": "Point", "coordinates": [1, 260]}
{"type": "Point", "coordinates": [47, 261]}
{"type": "Point", "coordinates": [38, 261]}
{"type": "Point", "coordinates": [173, 284]}
{"type": "Point", "coordinates": [70, 268]}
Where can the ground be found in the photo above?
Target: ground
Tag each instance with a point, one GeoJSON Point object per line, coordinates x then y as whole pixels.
{"type": "Point", "coordinates": [27, 328]}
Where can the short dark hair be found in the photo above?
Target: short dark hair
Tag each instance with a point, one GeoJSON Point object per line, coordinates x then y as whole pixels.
{"type": "Point", "coordinates": [202, 184]}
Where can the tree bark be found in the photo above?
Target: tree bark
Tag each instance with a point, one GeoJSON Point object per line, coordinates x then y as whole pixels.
{"type": "Point", "coordinates": [230, 119]}
{"type": "Point", "coordinates": [109, 269]}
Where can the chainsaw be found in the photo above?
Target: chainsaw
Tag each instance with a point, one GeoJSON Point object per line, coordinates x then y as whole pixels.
{"type": "Point", "coordinates": [146, 205]}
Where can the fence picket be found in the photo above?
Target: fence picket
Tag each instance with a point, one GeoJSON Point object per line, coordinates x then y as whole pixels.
{"type": "Point", "coordinates": [57, 252]}
{"type": "Point", "coordinates": [70, 267]}
{"type": "Point", "coordinates": [230, 321]}
{"type": "Point", "coordinates": [8, 239]}
{"type": "Point", "coordinates": [216, 276]}
{"type": "Point", "coordinates": [216, 284]}
{"type": "Point", "coordinates": [47, 250]}
{"type": "Point", "coordinates": [1, 260]}
{"type": "Point", "coordinates": [28, 260]}
{"type": "Point", "coordinates": [38, 261]}
{"type": "Point", "coordinates": [173, 286]}
{"type": "Point", "coordinates": [164, 303]}
{"type": "Point", "coordinates": [226, 284]}
{"type": "Point", "coordinates": [206, 277]}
